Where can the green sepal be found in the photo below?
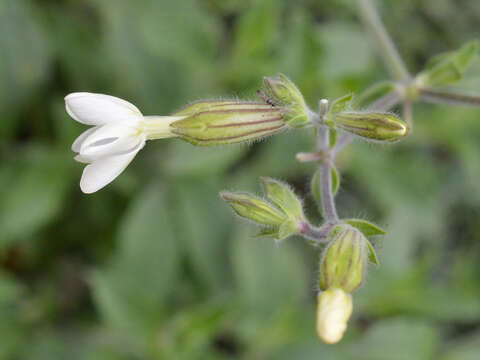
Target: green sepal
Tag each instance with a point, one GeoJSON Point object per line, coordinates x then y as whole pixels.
{"type": "Point", "coordinates": [217, 123]}
{"type": "Point", "coordinates": [366, 227]}
{"type": "Point", "coordinates": [448, 68]}
{"type": "Point", "coordinates": [372, 254]}
{"type": "Point", "coordinates": [376, 126]}
{"type": "Point", "coordinates": [343, 262]}
{"type": "Point", "coordinates": [267, 232]}
{"type": "Point", "coordinates": [283, 197]}
{"type": "Point", "coordinates": [287, 229]}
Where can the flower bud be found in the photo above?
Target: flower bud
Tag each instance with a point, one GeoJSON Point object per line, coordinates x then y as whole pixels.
{"type": "Point", "coordinates": [253, 208]}
{"type": "Point", "coordinates": [283, 93]}
{"type": "Point", "coordinates": [372, 125]}
{"type": "Point", "coordinates": [344, 261]}
{"type": "Point", "coordinates": [333, 311]}
{"type": "Point", "coordinates": [283, 197]}
{"type": "Point", "coordinates": [211, 123]}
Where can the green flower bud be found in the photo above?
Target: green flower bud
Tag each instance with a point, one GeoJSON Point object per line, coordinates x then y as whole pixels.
{"type": "Point", "coordinates": [255, 209]}
{"type": "Point", "coordinates": [283, 197]}
{"type": "Point", "coordinates": [211, 123]}
{"type": "Point", "coordinates": [344, 261]}
{"type": "Point", "coordinates": [372, 125]}
{"type": "Point", "coordinates": [283, 93]}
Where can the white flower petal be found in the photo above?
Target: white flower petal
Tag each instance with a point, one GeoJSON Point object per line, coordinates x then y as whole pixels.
{"type": "Point", "coordinates": [99, 109]}
{"type": "Point", "coordinates": [110, 139]}
{"type": "Point", "coordinates": [82, 159]}
{"type": "Point", "coordinates": [103, 171]}
{"type": "Point", "coordinates": [79, 140]}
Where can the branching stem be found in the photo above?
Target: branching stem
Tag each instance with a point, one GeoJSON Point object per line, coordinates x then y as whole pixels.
{"type": "Point", "coordinates": [387, 49]}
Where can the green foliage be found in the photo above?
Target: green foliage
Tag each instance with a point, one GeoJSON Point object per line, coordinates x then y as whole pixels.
{"type": "Point", "coordinates": [448, 68]}
{"type": "Point", "coordinates": [153, 266]}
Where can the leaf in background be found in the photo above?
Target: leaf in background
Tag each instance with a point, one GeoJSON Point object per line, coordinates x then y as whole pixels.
{"type": "Point", "coordinates": [203, 223]}
{"type": "Point", "coordinates": [24, 57]}
{"type": "Point", "coordinates": [33, 193]}
{"type": "Point", "coordinates": [268, 277]}
{"type": "Point", "coordinates": [166, 58]}
{"type": "Point", "coordinates": [397, 339]}
{"type": "Point", "coordinates": [186, 160]}
{"type": "Point", "coordinates": [462, 349]}
{"type": "Point", "coordinates": [448, 68]}
{"type": "Point", "coordinates": [132, 292]}
{"type": "Point", "coordinates": [341, 41]}
{"type": "Point", "coordinates": [255, 37]}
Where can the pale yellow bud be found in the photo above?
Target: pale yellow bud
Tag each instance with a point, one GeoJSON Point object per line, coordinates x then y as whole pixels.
{"type": "Point", "coordinates": [333, 311]}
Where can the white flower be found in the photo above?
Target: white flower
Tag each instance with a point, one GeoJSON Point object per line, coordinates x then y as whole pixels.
{"type": "Point", "coordinates": [333, 311]}
{"type": "Point", "coordinates": [119, 132]}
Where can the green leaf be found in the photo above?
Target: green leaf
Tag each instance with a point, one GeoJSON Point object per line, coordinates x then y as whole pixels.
{"type": "Point", "coordinates": [131, 292]}
{"type": "Point", "coordinates": [448, 68]}
{"type": "Point", "coordinates": [373, 93]}
{"type": "Point", "coordinates": [267, 232]}
{"type": "Point", "coordinates": [33, 193]}
{"type": "Point", "coordinates": [202, 223]}
{"type": "Point", "coordinates": [366, 227]}
{"type": "Point", "coordinates": [372, 254]}
{"type": "Point", "coordinates": [282, 196]}
{"type": "Point", "coordinates": [335, 180]}
{"type": "Point", "coordinates": [22, 68]}
{"type": "Point", "coordinates": [267, 277]}
{"type": "Point", "coordinates": [404, 338]}
{"type": "Point", "coordinates": [341, 104]}
{"type": "Point", "coordinates": [315, 186]}
{"type": "Point", "coordinates": [333, 135]}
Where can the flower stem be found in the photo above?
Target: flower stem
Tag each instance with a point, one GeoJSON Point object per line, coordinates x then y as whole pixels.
{"type": "Point", "coordinates": [391, 57]}
{"type": "Point", "coordinates": [449, 97]}
{"type": "Point", "coordinates": [323, 144]}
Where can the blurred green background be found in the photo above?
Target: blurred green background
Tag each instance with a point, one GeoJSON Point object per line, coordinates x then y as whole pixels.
{"type": "Point", "coordinates": [155, 266]}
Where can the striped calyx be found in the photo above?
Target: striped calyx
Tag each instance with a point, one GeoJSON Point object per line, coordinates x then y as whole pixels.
{"type": "Point", "coordinates": [344, 261]}
{"type": "Point", "coordinates": [372, 125]}
{"type": "Point", "coordinates": [210, 123]}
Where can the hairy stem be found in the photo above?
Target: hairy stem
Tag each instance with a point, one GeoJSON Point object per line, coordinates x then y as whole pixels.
{"type": "Point", "coordinates": [328, 201]}
{"type": "Point", "coordinates": [318, 235]}
{"type": "Point", "coordinates": [323, 145]}
{"type": "Point", "coordinates": [391, 57]}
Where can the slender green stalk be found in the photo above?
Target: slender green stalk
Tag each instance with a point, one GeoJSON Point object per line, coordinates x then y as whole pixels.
{"type": "Point", "coordinates": [449, 97]}
{"type": "Point", "coordinates": [387, 49]}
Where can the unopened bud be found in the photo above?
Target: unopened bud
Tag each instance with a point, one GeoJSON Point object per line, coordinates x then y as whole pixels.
{"type": "Point", "coordinates": [334, 309]}
{"type": "Point", "coordinates": [253, 208]}
{"type": "Point", "coordinates": [283, 93]}
{"type": "Point", "coordinates": [344, 261]}
{"type": "Point", "coordinates": [211, 123]}
{"type": "Point", "coordinates": [283, 197]}
{"type": "Point", "coordinates": [372, 125]}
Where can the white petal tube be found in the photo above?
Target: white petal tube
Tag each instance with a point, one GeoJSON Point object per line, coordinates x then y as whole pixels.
{"type": "Point", "coordinates": [99, 109]}
{"type": "Point", "coordinates": [103, 171]}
